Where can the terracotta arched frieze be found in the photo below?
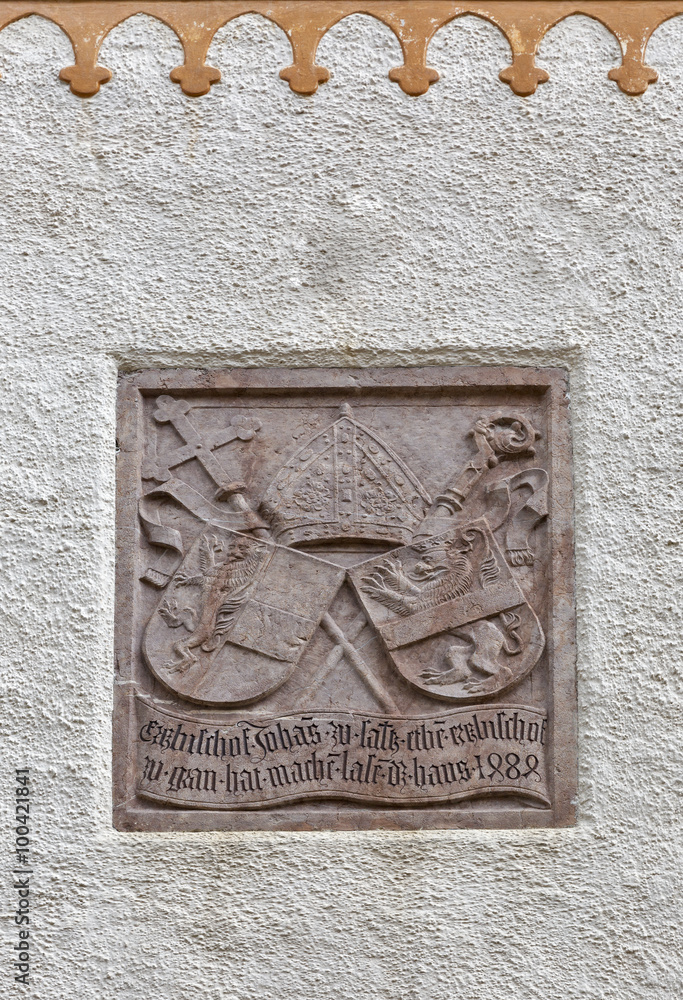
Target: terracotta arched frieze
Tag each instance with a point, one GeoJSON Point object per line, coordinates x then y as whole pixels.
{"type": "Point", "coordinates": [414, 22]}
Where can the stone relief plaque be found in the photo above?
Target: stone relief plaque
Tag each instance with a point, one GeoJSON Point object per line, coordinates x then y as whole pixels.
{"type": "Point", "coordinates": [344, 600]}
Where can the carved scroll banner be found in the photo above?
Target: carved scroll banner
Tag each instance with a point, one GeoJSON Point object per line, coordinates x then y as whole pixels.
{"type": "Point", "coordinates": [330, 755]}
{"type": "Point", "coordinates": [344, 600]}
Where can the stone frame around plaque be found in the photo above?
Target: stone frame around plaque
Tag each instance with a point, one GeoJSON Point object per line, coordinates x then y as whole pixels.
{"type": "Point", "coordinates": [305, 22]}
{"type": "Point", "coordinates": [344, 600]}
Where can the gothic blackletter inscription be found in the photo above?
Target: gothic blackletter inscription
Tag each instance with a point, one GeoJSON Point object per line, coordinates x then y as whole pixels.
{"type": "Point", "coordinates": [344, 600]}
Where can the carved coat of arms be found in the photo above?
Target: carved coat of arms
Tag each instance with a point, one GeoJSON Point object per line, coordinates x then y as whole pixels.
{"type": "Point", "coordinates": [236, 617]}
{"type": "Point", "coordinates": [451, 615]}
{"type": "Point", "coordinates": [341, 584]}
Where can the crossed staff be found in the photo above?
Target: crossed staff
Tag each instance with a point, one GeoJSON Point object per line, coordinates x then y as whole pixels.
{"type": "Point", "coordinates": [201, 447]}
{"type": "Point", "coordinates": [345, 648]}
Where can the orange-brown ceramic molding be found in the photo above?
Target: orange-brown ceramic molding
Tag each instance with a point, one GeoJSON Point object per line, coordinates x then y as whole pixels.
{"type": "Point", "coordinates": [414, 22]}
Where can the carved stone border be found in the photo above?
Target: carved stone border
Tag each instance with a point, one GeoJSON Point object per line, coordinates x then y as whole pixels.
{"type": "Point", "coordinates": [133, 813]}
{"type": "Point", "coordinates": [414, 22]}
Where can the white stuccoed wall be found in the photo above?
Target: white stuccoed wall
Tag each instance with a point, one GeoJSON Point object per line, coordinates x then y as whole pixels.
{"type": "Point", "coordinates": [253, 227]}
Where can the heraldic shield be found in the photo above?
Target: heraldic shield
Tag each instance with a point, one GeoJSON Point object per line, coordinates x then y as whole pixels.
{"type": "Point", "coordinates": [451, 616]}
{"type": "Point", "coordinates": [236, 617]}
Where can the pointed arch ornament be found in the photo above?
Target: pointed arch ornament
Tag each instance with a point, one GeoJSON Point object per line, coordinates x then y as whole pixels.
{"type": "Point", "coordinates": [524, 23]}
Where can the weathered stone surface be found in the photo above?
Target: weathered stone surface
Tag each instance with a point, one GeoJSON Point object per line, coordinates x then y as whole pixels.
{"type": "Point", "coordinates": [350, 602]}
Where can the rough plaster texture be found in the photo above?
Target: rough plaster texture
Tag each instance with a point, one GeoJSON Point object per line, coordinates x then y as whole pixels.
{"type": "Point", "coordinates": [356, 227]}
